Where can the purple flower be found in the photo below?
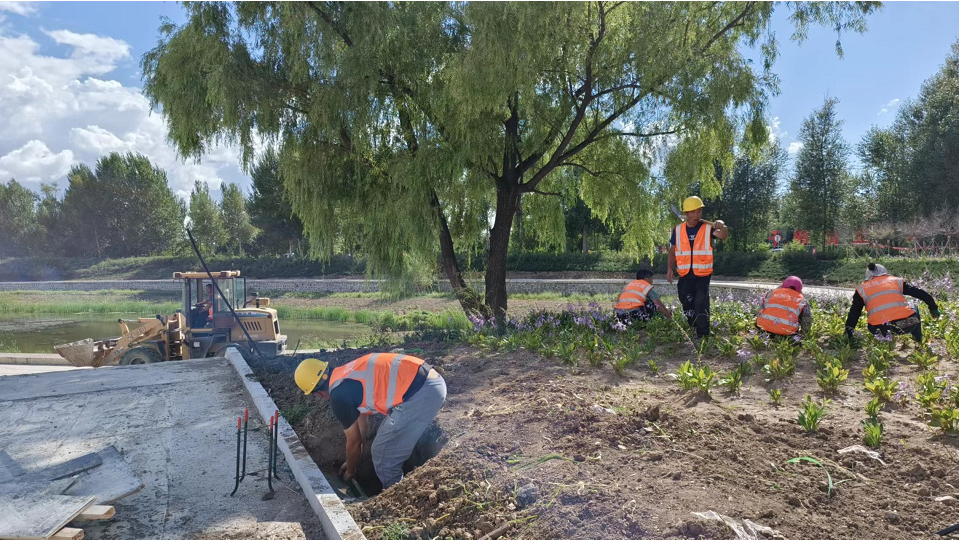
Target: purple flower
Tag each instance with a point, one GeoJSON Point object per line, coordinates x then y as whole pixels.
{"type": "Point", "coordinates": [744, 354]}
{"type": "Point", "coordinates": [619, 326]}
{"type": "Point", "coordinates": [797, 339]}
{"type": "Point", "coordinates": [902, 390]}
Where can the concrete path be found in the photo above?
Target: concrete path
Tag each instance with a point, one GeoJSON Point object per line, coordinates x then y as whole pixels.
{"type": "Point", "coordinates": [26, 369]}
{"type": "Point", "coordinates": [175, 423]}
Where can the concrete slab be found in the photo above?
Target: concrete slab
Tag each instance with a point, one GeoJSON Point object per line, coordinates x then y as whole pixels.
{"type": "Point", "coordinates": [175, 424]}
{"type": "Point", "coordinates": [25, 369]}
{"type": "Point", "coordinates": [34, 359]}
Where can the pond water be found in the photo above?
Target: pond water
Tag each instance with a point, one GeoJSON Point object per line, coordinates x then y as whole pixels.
{"type": "Point", "coordinates": [32, 334]}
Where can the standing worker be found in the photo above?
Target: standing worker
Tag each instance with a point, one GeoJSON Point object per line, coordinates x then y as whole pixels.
{"type": "Point", "coordinates": [639, 301]}
{"type": "Point", "coordinates": [692, 254]}
{"type": "Point", "coordinates": [887, 307]}
{"type": "Point", "coordinates": [785, 311]}
{"type": "Point", "coordinates": [404, 388]}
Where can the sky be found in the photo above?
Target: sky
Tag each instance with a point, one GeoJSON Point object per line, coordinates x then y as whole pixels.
{"type": "Point", "coordinates": [70, 84]}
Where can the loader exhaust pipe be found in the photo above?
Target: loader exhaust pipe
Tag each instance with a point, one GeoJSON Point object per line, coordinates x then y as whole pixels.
{"type": "Point", "coordinates": [220, 293]}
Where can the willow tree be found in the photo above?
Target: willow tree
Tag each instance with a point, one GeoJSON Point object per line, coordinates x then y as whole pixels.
{"type": "Point", "coordinates": [416, 129]}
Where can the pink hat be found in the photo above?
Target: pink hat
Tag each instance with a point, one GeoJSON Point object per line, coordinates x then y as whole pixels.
{"type": "Point", "coordinates": [793, 282]}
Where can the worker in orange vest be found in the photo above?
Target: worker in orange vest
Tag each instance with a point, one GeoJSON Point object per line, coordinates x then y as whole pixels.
{"type": "Point", "coordinates": [404, 388]}
{"type": "Point", "coordinates": [692, 254]}
{"type": "Point", "coordinates": [639, 300]}
{"type": "Point", "coordinates": [887, 308]}
{"type": "Point", "coordinates": [785, 311]}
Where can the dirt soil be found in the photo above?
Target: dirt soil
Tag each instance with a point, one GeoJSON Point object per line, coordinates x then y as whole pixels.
{"type": "Point", "coordinates": [538, 449]}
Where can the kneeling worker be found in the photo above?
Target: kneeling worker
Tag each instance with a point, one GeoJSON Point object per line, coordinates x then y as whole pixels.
{"type": "Point", "coordinates": [887, 307]}
{"type": "Point", "coordinates": [639, 301]}
{"type": "Point", "coordinates": [785, 312]}
{"type": "Point", "coordinates": [404, 388]}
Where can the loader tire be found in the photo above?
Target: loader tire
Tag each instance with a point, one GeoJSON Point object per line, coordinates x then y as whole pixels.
{"type": "Point", "coordinates": [140, 355]}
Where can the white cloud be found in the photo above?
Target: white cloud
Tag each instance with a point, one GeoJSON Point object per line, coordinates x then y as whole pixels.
{"type": "Point", "coordinates": [773, 130]}
{"type": "Point", "coordinates": [34, 162]}
{"type": "Point", "coordinates": [59, 111]}
{"type": "Point", "coordinates": [794, 147]}
{"type": "Point", "coordinates": [20, 8]}
{"type": "Point", "coordinates": [886, 108]}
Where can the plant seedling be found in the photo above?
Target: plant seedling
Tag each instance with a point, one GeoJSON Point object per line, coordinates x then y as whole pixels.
{"type": "Point", "coordinates": [872, 432]}
{"type": "Point", "coordinates": [873, 409]}
{"type": "Point", "coordinates": [654, 366]}
{"type": "Point", "coordinates": [780, 368]}
{"type": "Point", "coordinates": [832, 376]}
{"type": "Point", "coordinates": [817, 463]}
{"type": "Point", "coordinates": [923, 359]}
{"type": "Point", "coordinates": [811, 414]}
{"type": "Point", "coordinates": [881, 388]}
{"type": "Point", "coordinates": [776, 397]}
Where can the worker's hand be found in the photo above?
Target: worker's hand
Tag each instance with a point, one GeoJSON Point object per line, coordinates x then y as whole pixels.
{"type": "Point", "coordinates": [935, 314]}
{"type": "Point", "coordinates": [719, 224]}
{"type": "Point", "coordinates": [345, 474]}
{"type": "Point", "coordinates": [669, 275]}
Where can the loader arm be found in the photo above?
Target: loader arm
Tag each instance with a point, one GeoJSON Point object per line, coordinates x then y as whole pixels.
{"type": "Point", "coordinates": [150, 329]}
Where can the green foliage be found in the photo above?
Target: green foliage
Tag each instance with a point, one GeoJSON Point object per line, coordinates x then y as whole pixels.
{"type": "Point", "coordinates": [18, 220]}
{"type": "Point", "coordinates": [728, 346]}
{"type": "Point", "coordinates": [811, 414]}
{"type": "Point", "coordinates": [686, 376]}
{"type": "Point", "coordinates": [872, 433]}
{"type": "Point", "coordinates": [872, 409]}
{"type": "Point", "coordinates": [780, 368]}
{"type": "Point", "coordinates": [733, 381]}
{"type": "Point", "coordinates": [269, 206]}
{"type": "Point", "coordinates": [831, 376]}
{"type": "Point", "coordinates": [748, 192]}
{"type": "Point", "coordinates": [818, 464]}
{"type": "Point", "coordinates": [924, 359]}
{"type": "Point", "coordinates": [819, 185]}
{"type": "Point", "coordinates": [776, 397]}
{"type": "Point", "coordinates": [206, 220]}
{"type": "Point", "coordinates": [654, 366]}
{"type": "Point", "coordinates": [881, 388]}
{"type": "Point", "coordinates": [395, 531]}
{"type": "Point", "coordinates": [238, 232]}
{"type": "Point", "coordinates": [297, 412]}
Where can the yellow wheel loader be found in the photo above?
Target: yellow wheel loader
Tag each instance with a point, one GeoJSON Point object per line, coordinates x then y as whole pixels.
{"type": "Point", "coordinates": [202, 327]}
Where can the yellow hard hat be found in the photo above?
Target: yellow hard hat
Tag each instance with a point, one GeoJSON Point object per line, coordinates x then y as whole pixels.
{"type": "Point", "coordinates": [309, 373]}
{"type": "Point", "coordinates": [692, 203]}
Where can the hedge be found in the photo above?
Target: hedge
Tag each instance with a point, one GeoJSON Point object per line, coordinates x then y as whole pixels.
{"type": "Point", "coordinates": [823, 268]}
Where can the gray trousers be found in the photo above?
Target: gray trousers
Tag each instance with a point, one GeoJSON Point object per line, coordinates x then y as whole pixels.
{"type": "Point", "coordinates": [399, 433]}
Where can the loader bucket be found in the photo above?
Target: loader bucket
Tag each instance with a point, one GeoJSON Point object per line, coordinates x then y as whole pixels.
{"type": "Point", "coordinates": [83, 353]}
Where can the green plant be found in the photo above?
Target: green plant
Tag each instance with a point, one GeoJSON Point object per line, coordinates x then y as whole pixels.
{"type": "Point", "coordinates": [845, 353]}
{"type": "Point", "coordinates": [776, 397]}
{"type": "Point", "coordinates": [945, 419]}
{"type": "Point", "coordinates": [727, 347]}
{"type": "Point", "coordinates": [565, 351]}
{"type": "Point", "coordinates": [733, 381]}
{"type": "Point", "coordinates": [872, 432]}
{"type": "Point", "coordinates": [786, 349]}
{"type": "Point", "coordinates": [832, 376]}
{"type": "Point", "coordinates": [817, 463]}
{"type": "Point", "coordinates": [654, 366]}
{"type": "Point", "coordinates": [296, 413]}
{"type": "Point", "coordinates": [923, 359]}
{"type": "Point", "coordinates": [757, 342]}
{"type": "Point", "coordinates": [780, 368]}
{"type": "Point", "coordinates": [685, 375]}
{"type": "Point", "coordinates": [811, 414]}
{"type": "Point", "coordinates": [881, 388]}
{"type": "Point", "coordinates": [395, 531]}
{"type": "Point", "coordinates": [872, 409]}
{"type": "Point", "coordinates": [930, 390]}
{"type": "Point", "coordinates": [705, 379]}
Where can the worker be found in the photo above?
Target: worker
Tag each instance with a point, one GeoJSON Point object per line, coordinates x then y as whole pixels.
{"type": "Point", "coordinates": [404, 388]}
{"type": "Point", "coordinates": [785, 312]}
{"type": "Point", "coordinates": [692, 254]}
{"type": "Point", "coordinates": [887, 307]}
{"type": "Point", "coordinates": [639, 301]}
{"type": "Point", "coordinates": [208, 303]}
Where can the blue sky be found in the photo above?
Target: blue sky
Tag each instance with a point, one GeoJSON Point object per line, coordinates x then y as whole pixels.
{"type": "Point", "coordinates": [70, 79]}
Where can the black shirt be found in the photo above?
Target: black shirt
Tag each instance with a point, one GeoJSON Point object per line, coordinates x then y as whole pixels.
{"type": "Point", "coordinates": [856, 307]}
{"type": "Point", "coordinates": [348, 395]}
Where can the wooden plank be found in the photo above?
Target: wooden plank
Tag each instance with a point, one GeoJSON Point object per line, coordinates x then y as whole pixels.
{"type": "Point", "coordinates": [67, 533]}
{"type": "Point", "coordinates": [109, 482]}
{"type": "Point", "coordinates": [96, 513]}
{"type": "Point", "coordinates": [9, 468]}
{"type": "Point", "coordinates": [38, 515]}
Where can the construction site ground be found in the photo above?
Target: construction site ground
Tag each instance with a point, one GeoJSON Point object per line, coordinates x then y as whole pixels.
{"type": "Point", "coordinates": [539, 449]}
{"type": "Point", "coordinates": [175, 424]}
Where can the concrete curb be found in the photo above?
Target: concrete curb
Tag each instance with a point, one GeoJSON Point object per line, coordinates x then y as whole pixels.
{"type": "Point", "coordinates": [33, 359]}
{"type": "Point", "coordinates": [336, 520]}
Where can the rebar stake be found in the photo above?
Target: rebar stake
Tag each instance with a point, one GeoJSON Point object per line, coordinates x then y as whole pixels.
{"type": "Point", "coordinates": [237, 476]}
{"type": "Point", "coordinates": [246, 418]}
{"type": "Point", "coordinates": [269, 495]}
{"type": "Point", "coordinates": [276, 449]}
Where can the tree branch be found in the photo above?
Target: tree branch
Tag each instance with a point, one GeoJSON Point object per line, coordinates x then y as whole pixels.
{"type": "Point", "coordinates": [333, 24]}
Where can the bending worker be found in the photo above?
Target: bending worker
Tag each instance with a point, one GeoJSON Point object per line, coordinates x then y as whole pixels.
{"type": "Point", "coordinates": [785, 311]}
{"type": "Point", "coordinates": [692, 254]}
{"type": "Point", "coordinates": [404, 388]}
{"type": "Point", "coordinates": [887, 307]}
{"type": "Point", "coordinates": [639, 301]}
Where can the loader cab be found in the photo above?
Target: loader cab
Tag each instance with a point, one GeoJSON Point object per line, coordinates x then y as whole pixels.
{"type": "Point", "coordinates": [201, 303]}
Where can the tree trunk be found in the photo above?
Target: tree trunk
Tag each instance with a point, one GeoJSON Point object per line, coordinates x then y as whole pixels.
{"type": "Point", "coordinates": [583, 242]}
{"type": "Point", "coordinates": [508, 201]}
{"type": "Point", "coordinates": [470, 301]}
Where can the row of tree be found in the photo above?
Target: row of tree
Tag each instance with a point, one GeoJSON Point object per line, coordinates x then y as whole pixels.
{"type": "Point", "coordinates": [123, 207]}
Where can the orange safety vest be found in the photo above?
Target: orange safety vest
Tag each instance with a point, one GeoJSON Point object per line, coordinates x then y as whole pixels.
{"type": "Point", "coordinates": [883, 296]}
{"type": "Point", "coordinates": [700, 257]}
{"type": "Point", "coordinates": [781, 312]}
{"type": "Point", "coordinates": [634, 296]}
{"type": "Point", "coordinates": [385, 378]}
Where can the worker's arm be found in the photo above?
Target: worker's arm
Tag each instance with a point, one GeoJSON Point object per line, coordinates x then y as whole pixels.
{"type": "Point", "coordinates": [720, 230]}
{"type": "Point", "coordinates": [924, 297]}
{"type": "Point", "coordinates": [354, 448]}
{"type": "Point", "coordinates": [671, 262]}
{"type": "Point", "coordinates": [856, 308]}
{"type": "Point", "coordinates": [662, 308]}
{"type": "Point", "coordinates": [806, 320]}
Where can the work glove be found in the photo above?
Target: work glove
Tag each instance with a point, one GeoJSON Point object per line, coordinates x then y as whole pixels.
{"type": "Point", "coordinates": [935, 313]}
